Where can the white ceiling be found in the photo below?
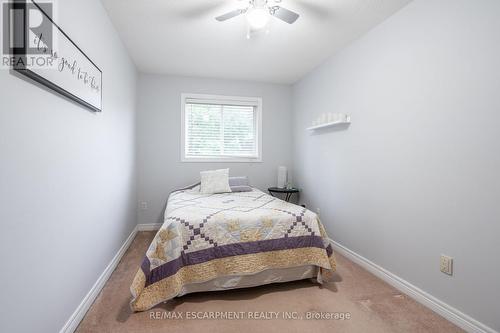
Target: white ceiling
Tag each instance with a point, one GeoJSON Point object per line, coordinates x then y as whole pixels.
{"type": "Point", "coordinates": [181, 37]}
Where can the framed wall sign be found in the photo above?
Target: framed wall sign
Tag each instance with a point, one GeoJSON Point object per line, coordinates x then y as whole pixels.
{"type": "Point", "coordinates": [43, 52]}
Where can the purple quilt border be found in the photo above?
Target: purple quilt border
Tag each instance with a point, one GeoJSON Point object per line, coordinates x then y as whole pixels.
{"type": "Point", "coordinates": [223, 251]}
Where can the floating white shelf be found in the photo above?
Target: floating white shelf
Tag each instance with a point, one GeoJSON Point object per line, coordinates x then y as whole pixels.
{"type": "Point", "coordinates": [334, 123]}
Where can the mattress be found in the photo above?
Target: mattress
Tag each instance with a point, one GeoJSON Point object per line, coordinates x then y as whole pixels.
{"type": "Point", "coordinates": [211, 241]}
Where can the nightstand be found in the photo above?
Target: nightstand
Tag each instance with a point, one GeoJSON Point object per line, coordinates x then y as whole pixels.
{"type": "Point", "coordinates": [287, 191]}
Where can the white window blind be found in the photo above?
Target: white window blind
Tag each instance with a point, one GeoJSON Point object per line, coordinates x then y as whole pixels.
{"type": "Point", "coordinates": [219, 129]}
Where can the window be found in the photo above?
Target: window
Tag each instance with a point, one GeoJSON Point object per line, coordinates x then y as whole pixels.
{"type": "Point", "coordinates": [221, 128]}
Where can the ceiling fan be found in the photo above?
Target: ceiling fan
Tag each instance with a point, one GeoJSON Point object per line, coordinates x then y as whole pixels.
{"type": "Point", "coordinates": [259, 12]}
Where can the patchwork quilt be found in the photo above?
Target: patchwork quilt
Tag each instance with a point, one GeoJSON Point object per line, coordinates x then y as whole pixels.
{"type": "Point", "coordinates": [209, 236]}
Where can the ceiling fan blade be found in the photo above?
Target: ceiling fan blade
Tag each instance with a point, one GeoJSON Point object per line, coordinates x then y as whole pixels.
{"type": "Point", "coordinates": [285, 15]}
{"type": "Point", "coordinates": [229, 15]}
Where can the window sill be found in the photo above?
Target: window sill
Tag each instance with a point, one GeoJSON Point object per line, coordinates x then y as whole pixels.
{"type": "Point", "coordinates": [221, 160]}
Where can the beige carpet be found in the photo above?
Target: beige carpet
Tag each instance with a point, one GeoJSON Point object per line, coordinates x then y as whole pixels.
{"type": "Point", "coordinates": [373, 305]}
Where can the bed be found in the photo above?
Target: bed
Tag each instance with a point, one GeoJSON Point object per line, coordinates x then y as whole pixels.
{"type": "Point", "coordinates": [231, 240]}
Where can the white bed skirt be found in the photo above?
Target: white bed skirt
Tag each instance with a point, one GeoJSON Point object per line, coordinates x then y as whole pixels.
{"type": "Point", "coordinates": [246, 281]}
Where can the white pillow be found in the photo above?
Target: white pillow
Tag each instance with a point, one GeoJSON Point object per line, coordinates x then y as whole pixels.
{"type": "Point", "coordinates": [216, 181]}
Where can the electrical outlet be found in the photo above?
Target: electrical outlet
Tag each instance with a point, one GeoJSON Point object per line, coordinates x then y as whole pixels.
{"type": "Point", "coordinates": [143, 205]}
{"type": "Point", "coordinates": [318, 211]}
{"type": "Point", "coordinates": [446, 264]}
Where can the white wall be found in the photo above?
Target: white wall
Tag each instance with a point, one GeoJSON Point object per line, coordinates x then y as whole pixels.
{"type": "Point", "coordinates": [417, 173]}
{"type": "Point", "coordinates": [159, 132]}
{"type": "Point", "coordinates": [67, 181]}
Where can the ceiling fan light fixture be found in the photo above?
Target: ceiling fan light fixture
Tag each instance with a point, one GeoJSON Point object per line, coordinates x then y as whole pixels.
{"type": "Point", "coordinates": [258, 18]}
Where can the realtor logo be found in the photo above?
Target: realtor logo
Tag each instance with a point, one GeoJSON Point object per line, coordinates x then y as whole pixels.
{"type": "Point", "coordinates": [27, 34]}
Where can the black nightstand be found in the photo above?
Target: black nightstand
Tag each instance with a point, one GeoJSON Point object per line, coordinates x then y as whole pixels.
{"type": "Point", "coordinates": [288, 191]}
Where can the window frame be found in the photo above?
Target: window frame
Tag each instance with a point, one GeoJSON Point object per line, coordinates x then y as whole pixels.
{"type": "Point", "coordinates": [229, 100]}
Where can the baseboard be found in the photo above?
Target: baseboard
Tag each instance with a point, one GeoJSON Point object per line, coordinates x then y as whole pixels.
{"type": "Point", "coordinates": [149, 227]}
{"type": "Point", "coordinates": [460, 319]}
{"type": "Point", "coordinates": [89, 299]}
